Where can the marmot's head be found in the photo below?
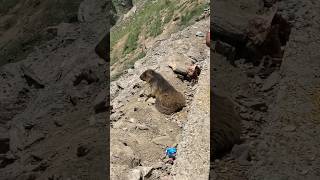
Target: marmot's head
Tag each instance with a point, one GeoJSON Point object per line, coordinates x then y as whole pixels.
{"type": "Point", "coordinates": [147, 75]}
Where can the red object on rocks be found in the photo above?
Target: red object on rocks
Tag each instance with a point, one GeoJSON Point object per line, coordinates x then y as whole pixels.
{"type": "Point", "coordinates": [208, 39]}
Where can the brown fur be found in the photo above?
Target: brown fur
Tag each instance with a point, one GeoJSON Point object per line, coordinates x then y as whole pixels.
{"type": "Point", "coordinates": [225, 123]}
{"type": "Point", "coordinates": [168, 99]}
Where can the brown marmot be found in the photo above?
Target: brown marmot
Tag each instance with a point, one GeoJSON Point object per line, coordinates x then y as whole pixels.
{"type": "Point", "coordinates": [168, 99]}
{"type": "Point", "coordinates": [225, 123]}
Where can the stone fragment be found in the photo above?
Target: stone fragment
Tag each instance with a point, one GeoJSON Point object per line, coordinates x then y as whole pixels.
{"type": "Point", "coordinates": [271, 81]}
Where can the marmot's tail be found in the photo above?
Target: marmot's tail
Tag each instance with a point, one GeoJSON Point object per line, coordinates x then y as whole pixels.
{"type": "Point", "coordinates": [163, 109]}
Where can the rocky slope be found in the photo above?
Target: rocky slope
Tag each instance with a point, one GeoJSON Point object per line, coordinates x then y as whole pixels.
{"type": "Point", "coordinates": [276, 98]}
{"type": "Point", "coordinates": [53, 101]}
{"type": "Point", "coordinates": [139, 133]}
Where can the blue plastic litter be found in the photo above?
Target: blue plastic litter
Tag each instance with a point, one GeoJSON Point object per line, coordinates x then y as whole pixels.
{"type": "Point", "coordinates": [171, 151]}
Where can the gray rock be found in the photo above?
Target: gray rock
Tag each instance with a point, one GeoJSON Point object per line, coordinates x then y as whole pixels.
{"type": "Point", "coordinates": [271, 81]}
{"type": "Point", "coordinates": [199, 34]}
{"type": "Point", "coordinates": [31, 78]}
{"type": "Point", "coordinates": [151, 101]}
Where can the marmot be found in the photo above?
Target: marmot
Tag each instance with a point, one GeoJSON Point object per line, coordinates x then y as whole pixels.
{"type": "Point", "coordinates": [168, 99]}
{"type": "Point", "coordinates": [226, 127]}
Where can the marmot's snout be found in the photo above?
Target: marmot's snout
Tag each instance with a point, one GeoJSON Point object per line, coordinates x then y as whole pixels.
{"type": "Point", "coordinates": [143, 76]}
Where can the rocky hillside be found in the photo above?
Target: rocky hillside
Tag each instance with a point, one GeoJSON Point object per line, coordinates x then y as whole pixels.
{"type": "Point", "coordinates": [146, 23]}
{"type": "Point", "coordinates": [271, 73]}
{"type": "Point", "coordinates": [140, 134]}
{"type": "Point", "coordinates": [53, 95]}
{"type": "Point", "coordinates": [24, 24]}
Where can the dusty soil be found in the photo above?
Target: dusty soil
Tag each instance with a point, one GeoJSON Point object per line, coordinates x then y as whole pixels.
{"type": "Point", "coordinates": [278, 106]}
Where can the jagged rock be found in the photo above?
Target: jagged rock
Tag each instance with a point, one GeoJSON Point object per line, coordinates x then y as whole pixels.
{"type": "Point", "coordinates": [271, 81]}
{"type": "Point", "coordinates": [184, 66]}
{"type": "Point", "coordinates": [31, 78]}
